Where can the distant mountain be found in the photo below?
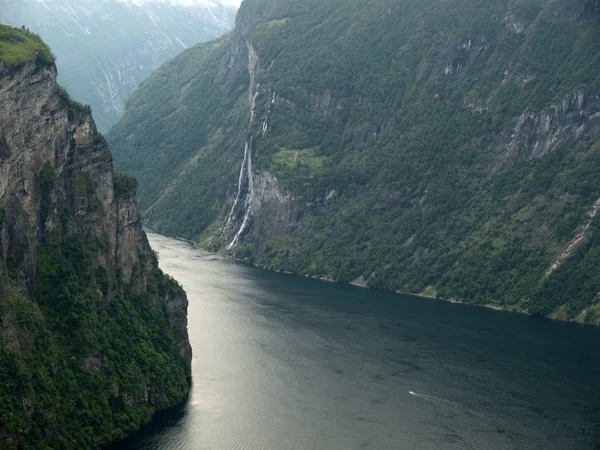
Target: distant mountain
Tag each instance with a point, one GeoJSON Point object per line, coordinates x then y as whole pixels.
{"type": "Point", "coordinates": [106, 48]}
{"type": "Point", "coordinates": [447, 148]}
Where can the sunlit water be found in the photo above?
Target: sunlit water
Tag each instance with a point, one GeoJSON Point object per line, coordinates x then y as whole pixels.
{"type": "Point", "coordinates": [283, 362]}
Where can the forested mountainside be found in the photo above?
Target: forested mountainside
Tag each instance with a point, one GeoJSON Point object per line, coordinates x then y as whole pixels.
{"type": "Point", "coordinates": [105, 49]}
{"type": "Point", "coordinates": [93, 336]}
{"type": "Point", "coordinates": [443, 148]}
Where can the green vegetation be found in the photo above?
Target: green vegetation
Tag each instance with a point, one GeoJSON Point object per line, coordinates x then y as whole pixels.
{"type": "Point", "coordinates": [183, 136]}
{"type": "Point", "coordinates": [297, 167]}
{"type": "Point", "coordinates": [391, 124]}
{"type": "Point", "coordinates": [85, 360]}
{"type": "Point", "coordinates": [575, 286]}
{"type": "Point", "coordinates": [93, 339]}
{"type": "Point", "coordinates": [125, 184]}
{"type": "Point", "coordinates": [66, 98]}
{"type": "Point", "coordinates": [19, 46]}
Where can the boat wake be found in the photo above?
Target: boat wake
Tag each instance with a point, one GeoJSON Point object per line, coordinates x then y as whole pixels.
{"type": "Point", "coordinates": [437, 401]}
{"type": "Point", "coordinates": [429, 398]}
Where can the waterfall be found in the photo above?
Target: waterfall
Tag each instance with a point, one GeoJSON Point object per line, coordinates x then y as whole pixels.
{"type": "Point", "coordinates": [247, 161]}
{"type": "Point", "coordinates": [237, 197]}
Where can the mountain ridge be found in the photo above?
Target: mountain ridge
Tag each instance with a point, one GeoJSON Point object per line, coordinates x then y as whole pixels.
{"type": "Point", "coordinates": [435, 151]}
{"type": "Point", "coordinates": [106, 49]}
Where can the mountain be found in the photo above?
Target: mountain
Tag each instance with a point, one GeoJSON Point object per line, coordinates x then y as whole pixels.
{"type": "Point", "coordinates": [93, 336]}
{"type": "Point", "coordinates": [448, 149]}
{"type": "Point", "coordinates": [105, 49]}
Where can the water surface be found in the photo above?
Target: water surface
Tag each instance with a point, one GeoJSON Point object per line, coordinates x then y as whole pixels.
{"type": "Point", "coordinates": [283, 362]}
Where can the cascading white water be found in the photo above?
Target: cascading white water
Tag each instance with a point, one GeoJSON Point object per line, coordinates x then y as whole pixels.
{"type": "Point", "coordinates": [247, 162]}
{"type": "Point", "coordinates": [248, 203]}
{"type": "Point", "coordinates": [237, 197]}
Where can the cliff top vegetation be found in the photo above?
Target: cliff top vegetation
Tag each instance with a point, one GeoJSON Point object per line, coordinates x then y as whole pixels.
{"type": "Point", "coordinates": [124, 184]}
{"type": "Point", "coordinates": [19, 46]}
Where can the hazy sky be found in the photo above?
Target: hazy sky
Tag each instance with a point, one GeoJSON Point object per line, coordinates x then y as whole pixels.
{"type": "Point", "coordinates": [235, 3]}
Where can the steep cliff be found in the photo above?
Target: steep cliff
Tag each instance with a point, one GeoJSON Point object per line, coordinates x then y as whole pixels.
{"type": "Point", "coordinates": [445, 149]}
{"type": "Point", "coordinates": [93, 337]}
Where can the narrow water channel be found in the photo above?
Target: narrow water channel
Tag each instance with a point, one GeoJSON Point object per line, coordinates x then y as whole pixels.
{"type": "Point", "coordinates": [283, 362]}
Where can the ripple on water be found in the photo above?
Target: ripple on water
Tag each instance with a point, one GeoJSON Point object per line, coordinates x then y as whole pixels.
{"type": "Point", "coordinates": [284, 362]}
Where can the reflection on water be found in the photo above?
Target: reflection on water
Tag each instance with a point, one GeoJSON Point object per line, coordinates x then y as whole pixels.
{"type": "Point", "coordinates": [284, 362]}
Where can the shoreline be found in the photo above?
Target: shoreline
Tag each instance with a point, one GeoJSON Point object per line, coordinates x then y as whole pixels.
{"type": "Point", "coordinates": [194, 245]}
{"type": "Point", "coordinates": [425, 296]}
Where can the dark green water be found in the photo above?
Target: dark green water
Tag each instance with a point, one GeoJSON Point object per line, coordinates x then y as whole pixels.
{"type": "Point", "coordinates": [284, 362]}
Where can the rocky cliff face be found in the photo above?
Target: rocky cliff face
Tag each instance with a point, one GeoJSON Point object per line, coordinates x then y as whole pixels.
{"type": "Point", "coordinates": [575, 119]}
{"type": "Point", "coordinates": [73, 255]}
